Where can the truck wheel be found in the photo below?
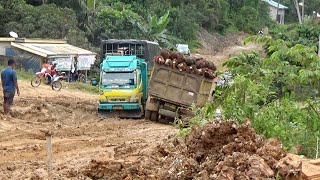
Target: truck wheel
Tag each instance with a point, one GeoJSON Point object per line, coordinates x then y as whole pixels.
{"type": "Point", "coordinates": [154, 116]}
{"type": "Point", "coordinates": [147, 115]}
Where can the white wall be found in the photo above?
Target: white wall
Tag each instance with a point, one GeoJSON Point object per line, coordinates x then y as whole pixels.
{"type": "Point", "coordinates": [273, 14]}
{"type": "Point", "coordinates": [3, 46]}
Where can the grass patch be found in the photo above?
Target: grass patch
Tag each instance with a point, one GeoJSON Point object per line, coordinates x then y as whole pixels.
{"type": "Point", "coordinates": [21, 73]}
{"type": "Point", "coordinates": [82, 87]}
{"type": "Point", "coordinates": [24, 75]}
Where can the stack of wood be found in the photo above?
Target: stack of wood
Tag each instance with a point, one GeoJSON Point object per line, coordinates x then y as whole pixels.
{"type": "Point", "coordinates": [194, 65]}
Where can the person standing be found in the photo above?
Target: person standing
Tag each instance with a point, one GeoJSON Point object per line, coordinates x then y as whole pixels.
{"type": "Point", "coordinates": [9, 85]}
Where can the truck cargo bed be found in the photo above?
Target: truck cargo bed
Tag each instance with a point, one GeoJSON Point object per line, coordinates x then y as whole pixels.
{"type": "Point", "coordinates": [180, 88]}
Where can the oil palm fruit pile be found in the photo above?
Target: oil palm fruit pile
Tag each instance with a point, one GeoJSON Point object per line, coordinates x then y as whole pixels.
{"type": "Point", "coordinates": [193, 65]}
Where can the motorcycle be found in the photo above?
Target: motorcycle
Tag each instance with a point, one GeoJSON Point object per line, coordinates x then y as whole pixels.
{"type": "Point", "coordinates": [56, 84]}
{"type": "Point", "coordinates": [44, 76]}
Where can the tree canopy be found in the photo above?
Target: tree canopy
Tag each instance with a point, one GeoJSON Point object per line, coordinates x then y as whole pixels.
{"type": "Point", "coordinates": [166, 21]}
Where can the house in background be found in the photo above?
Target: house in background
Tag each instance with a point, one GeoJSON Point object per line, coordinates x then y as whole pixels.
{"type": "Point", "coordinates": [30, 54]}
{"type": "Point", "coordinates": [274, 8]}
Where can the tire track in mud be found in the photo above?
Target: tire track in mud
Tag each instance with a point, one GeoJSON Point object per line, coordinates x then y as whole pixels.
{"type": "Point", "coordinates": [79, 134]}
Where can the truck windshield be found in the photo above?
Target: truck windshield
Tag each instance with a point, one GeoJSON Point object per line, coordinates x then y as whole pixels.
{"type": "Point", "coordinates": [118, 78]}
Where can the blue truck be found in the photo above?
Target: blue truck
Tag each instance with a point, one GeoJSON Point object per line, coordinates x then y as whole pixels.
{"type": "Point", "coordinates": [124, 69]}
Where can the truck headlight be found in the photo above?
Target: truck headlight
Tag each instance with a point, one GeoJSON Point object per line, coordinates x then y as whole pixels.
{"type": "Point", "coordinates": [103, 98]}
{"type": "Point", "coordinates": [134, 98]}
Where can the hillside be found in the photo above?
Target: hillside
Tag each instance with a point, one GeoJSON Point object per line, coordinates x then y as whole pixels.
{"type": "Point", "coordinates": [86, 22]}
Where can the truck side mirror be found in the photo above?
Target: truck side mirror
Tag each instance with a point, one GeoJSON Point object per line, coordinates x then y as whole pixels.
{"type": "Point", "coordinates": [131, 81]}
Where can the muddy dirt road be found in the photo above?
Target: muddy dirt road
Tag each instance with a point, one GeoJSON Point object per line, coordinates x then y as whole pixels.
{"type": "Point", "coordinates": [79, 135]}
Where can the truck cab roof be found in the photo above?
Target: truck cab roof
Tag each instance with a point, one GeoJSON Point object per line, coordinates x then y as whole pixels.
{"type": "Point", "coordinates": [126, 47]}
{"type": "Point", "coordinates": [121, 62]}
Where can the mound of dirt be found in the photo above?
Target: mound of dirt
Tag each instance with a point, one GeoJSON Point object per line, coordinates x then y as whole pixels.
{"type": "Point", "coordinates": [213, 43]}
{"type": "Point", "coordinates": [217, 150]}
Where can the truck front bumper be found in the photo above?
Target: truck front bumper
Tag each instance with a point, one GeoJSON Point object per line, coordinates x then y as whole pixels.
{"type": "Point", "coordinates": [120, 110]}
{"type": "Point", "coordinates": [119, 106]}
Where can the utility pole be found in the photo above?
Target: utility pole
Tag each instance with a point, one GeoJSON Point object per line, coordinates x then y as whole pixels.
{"type": "Point", "coordinates": [302, 18]}
{"type": "Point", "coordinates": [298, 10]}
{"type": "Point", "coordinates": [278, 11]}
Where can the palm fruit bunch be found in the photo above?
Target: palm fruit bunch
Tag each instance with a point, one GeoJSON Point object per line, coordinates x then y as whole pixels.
{"type": "Point", "coordinates": [193, 65]}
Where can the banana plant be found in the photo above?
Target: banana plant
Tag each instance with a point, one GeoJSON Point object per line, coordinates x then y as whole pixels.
{"type": "Point", "coordinates": [91, 4]}
{"type": "Point", "coordinates": [155, 29]}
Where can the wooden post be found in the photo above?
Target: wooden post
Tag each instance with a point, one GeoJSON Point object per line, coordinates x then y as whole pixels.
{"type": "Point", "coordinates": [48, 134]}
{"type": "Point", "coordinates": [86, 75]}
{"type": "Point", "coordinates": [317, 152]}
{"type": "Point", "coordinates": [49, 145]}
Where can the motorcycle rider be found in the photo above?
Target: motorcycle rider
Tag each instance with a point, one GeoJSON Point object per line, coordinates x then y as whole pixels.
{"type": "Point", "coordinates": [52, 71]}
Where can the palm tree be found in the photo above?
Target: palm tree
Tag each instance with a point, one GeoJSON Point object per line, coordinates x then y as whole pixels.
{"type": "Point", "coordinates": [88, 12]}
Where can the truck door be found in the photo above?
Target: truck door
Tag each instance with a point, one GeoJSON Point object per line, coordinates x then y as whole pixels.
{"type": "Point", "coordinates": [144, 77]}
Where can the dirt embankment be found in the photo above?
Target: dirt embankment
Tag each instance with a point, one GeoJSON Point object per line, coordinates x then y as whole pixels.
{"type": "Point", "coordinates": [218, 49]}
{"type": "Point", "coordinates": [218, 150]}
{"type": "Point", "coordinates": [86, 146]}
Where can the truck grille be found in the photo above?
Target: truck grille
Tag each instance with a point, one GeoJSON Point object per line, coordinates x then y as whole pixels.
{"type": "Point", "coordinates": [117, 100]}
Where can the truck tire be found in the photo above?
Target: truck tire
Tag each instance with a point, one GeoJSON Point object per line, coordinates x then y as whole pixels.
{"type": "Point", "coordinates": [154, 116]}
{"type": "Point", "coordinates": [147, 115]}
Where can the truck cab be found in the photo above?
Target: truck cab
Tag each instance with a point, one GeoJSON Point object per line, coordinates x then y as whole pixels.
{"type": "Point", "coordinates": [124, 78]}
{"type": "Point", "coordinates": [183, 49]}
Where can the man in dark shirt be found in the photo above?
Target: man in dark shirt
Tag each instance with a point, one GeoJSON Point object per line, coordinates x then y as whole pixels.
{"type": "Point", "coordinates": [9, 85]}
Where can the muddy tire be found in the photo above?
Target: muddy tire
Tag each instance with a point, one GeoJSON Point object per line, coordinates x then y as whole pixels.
{"type": "Point", "coordinates": [36, 81]}
{"type": "Point", "coordinates": [56, 85]}
{"type": "Point", "coordinates": [147, 115]}
{"type": "Point", "coordinates": [47, 80]}
{"type": "Point", "coordinates": [154, 116]}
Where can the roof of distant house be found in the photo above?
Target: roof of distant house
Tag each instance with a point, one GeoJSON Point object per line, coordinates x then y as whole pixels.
{"type": "Point", "coordinates": [46, 47]}
{"type": "Point", "coordinates": [51, 49]}
{"type": "Point", "coordinates": [275, 4]}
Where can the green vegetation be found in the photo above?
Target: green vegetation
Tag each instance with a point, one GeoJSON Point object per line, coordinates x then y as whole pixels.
{"type": "Point", "coordinates": [86, 87]}
{"type": "Point", "coordinates": [291, 14]}
{"type": "Point", "coordinates": [21, 73]}
{"type": "Point", "coordinates": [278, 93]}
{"type": "Point", "coordinates": [86, 22]}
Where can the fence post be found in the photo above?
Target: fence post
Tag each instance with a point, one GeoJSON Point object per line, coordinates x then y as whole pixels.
{"type": "Point", "coordinates": [48, 134]}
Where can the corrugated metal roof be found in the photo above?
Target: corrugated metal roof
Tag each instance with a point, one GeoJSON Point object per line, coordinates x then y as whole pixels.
{"type": "Point", "coordinates": [33, 40]}
{"type": "Point", "coordinates": [275, 4]}
{"type": "Point", "coordinates": [6, 39]}
{"type": "Point", "coordinates": [46, 50]}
